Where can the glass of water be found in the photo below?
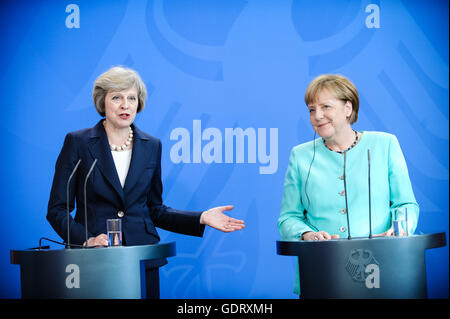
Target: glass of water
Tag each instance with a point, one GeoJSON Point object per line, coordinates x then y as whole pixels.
{"type": "Point", "coordinates": [400, 222]}
{"type": "Point", "coordinates": [114, 232]}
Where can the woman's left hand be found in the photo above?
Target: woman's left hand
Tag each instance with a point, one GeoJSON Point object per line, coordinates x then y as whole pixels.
{"type": "Point", "coordinates": [216, 219]}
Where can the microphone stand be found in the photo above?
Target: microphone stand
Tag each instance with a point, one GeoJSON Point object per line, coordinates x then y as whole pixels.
{"type": "Point", "coordinates": [68, 206]}
{"type": "Point", "coordinates": [85, 202]}
{"type": "Point", "coordinates": [370, 202]}
{"type": "Point", "coordinates": [346, 203]}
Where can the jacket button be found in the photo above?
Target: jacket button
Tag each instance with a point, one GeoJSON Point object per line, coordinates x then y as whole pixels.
{"type": "Point", "coordinates": [343, 211]}
{"type": "Point", "coordinates": [342, 193]}
{"type": "Point", "coordinates": [120, 213]}
{"type": "Point", "coordinates": [341, 177]}
{"type": "Point", "coordinates": [342, 229]}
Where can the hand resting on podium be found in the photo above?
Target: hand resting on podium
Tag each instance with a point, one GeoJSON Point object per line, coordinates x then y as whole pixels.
{"type": "Point", "coordinates": [320, 235]}
{"type": "Point", "coordinates": [323, 235]}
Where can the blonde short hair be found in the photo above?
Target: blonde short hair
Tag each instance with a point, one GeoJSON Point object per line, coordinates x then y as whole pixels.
{"type": "Point", "coordinates": [340, 86]}
{"type": "Point", "coordinates": [117, 78]}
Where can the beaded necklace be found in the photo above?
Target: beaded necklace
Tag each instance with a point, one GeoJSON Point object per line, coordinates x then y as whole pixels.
{"type": "Point", "coordinates": [125, 145]}
{"type": "Point", "coordinates": [351, 146]}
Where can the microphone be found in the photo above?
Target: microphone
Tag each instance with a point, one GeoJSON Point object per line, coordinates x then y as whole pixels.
{"type": "Point", "coordinates": [67, 198]}
{"type": "Point", "coordinates": [85, 202]}
{"type": "Point", "coordinates": [370, 202]}
{"type": "Point", "coordinates": [346, 203]}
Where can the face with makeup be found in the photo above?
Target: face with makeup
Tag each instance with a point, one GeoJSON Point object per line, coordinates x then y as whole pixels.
{"type": "Point", "coordinates": [121, 107]}
{"type": "Point", "coordinates": [329, 116]}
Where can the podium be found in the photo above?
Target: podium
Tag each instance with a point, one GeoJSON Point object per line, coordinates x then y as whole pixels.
{"type": "Point", "coordinates": [363, 268]}
{"type": "Point", "coordinates": [85, 273]}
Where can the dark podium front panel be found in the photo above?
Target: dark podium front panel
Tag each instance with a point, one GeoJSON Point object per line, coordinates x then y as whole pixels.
{"type": "Point", "coordinates": [108, 272]}
{"type": "Point", "coordinates": [381, 267]}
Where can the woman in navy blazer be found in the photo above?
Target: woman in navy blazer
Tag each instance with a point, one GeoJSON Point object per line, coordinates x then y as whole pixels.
{"type": "Point", "coordinates": [126, 180]}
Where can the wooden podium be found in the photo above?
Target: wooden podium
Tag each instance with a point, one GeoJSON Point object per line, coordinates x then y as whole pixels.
{"type": "Point", "coordinates": [108, 272]}
{"type": "Point", "coordinates": [381, 267]}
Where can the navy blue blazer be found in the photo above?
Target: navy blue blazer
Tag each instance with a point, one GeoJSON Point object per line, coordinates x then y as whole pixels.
{"type": "Point", "coordinates": [140, 199]}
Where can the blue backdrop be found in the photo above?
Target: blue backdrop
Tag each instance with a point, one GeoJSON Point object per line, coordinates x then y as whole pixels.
{"type": "Point", "coordinates": [212, 66]}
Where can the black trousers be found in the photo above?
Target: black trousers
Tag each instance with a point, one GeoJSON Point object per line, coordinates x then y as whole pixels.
{"type": "Point", "coordinates": [152, 283]}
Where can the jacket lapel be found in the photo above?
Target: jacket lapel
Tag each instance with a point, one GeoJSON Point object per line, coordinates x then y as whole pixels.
{"type": "Point", "coordinates": [139, 158]}
{"type": "Point", "coordinates": [99, 148]}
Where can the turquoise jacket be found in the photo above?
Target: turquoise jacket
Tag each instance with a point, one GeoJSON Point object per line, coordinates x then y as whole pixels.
{"type": "Point", "coordinates": [317, 202]}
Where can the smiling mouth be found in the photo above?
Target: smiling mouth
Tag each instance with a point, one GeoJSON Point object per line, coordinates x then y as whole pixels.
{"type": "Point", "coordinates": [322, 125]}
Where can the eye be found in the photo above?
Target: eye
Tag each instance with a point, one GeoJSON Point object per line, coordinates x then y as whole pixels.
{"type": "Point", "coordinates": [311, 110]}
{"type": "Point", "coordinates": [115, 97]}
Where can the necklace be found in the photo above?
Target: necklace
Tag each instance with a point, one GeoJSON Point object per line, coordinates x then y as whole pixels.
{"type": "Point", "coordinates": [351, 146]}
{"type": "Point", "coordinates": [124, 146]}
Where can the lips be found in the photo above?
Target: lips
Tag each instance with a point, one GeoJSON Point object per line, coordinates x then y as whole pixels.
{"type": "Point", "coordinates": [124, 116]}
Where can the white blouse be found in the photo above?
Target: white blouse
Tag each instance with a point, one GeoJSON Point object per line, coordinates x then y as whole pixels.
{"type": "Point", "coordinates": [122, 161]}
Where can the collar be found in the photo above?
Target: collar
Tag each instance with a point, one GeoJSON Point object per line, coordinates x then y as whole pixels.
{"type": "Point", "coordinates": [99, 130]}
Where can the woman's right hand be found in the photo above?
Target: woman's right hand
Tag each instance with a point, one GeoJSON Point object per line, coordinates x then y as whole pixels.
{"type": "Point", "coordinates": [100, 240]}
{"type": "Point", "coordinates": [320, 235]}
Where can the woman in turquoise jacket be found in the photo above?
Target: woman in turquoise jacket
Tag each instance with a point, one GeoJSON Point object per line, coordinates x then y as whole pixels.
{"type": "Point", "coordinates": [320, 202]}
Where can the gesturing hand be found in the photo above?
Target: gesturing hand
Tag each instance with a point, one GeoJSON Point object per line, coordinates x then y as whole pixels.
{"type": "Point", "coordinates": [216, 219]}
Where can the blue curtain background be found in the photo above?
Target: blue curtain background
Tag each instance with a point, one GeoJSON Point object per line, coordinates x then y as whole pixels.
{"type": "Point", "coordinates": [230, 64]}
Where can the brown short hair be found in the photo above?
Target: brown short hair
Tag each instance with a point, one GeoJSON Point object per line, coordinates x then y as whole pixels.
{"type": "Point", "coordinates": [117, 78]}
{"type": "Point", "coordinates": [342, 88]}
